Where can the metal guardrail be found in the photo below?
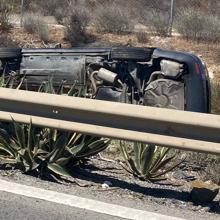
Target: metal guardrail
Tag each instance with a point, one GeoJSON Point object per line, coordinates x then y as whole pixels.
{"type": "Point", "coordinates": [164, 127]}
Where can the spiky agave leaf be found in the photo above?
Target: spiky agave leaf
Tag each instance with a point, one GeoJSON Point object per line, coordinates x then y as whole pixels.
{"type": "Point", "coordinates": [148, 162]}
{"type": "Point", "coordinates": [81, 146]}
{"type": "Point", "coordinates": [59, 148]}
{"type": "Point", "coordinates": [59, 170]}
{"type": "Point", "coordinates": [72, 91]}
{"type": "Point", "coordinates": [129, 160]}
{"type": "Point", "coordinates": [93, 148]}
{"type": "Point", "coordinates": [147, 158]}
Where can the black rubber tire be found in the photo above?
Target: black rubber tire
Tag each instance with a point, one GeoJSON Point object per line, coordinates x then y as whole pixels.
{"type": "Point", "coordinates": [7, 53]}
{"type": "Point", "coordinates": [132, 53]}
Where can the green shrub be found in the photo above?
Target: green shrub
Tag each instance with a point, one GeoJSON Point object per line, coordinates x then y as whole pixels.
{"type": "Point", "coordinates": [44, 150]}
{"type": "Point", "coordinates": [33, 23]}
{"type": "Point", "coordinates": [112, 18]}
{"type": "Point", "coordinates": [196, 25]}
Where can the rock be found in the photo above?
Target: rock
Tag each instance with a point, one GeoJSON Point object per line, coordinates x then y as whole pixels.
{"type": "Point", "coordinates": [180, 175]}
{"type": "Point", "coordinates": [203, 192]}
{"type": "Point", "coordinates": [205, 209]}
{"type": "Point", "coordinates": [196, 208]}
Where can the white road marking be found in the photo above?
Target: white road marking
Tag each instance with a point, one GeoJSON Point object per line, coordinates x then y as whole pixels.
{"type": "Point", "coordinates": [81, 203]}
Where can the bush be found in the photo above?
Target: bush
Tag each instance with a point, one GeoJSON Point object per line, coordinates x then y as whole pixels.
{"type": "Point", "coordinates": [45, 7]}
{"type": "Point", "coordinates": [196, 25]}
{"type": "Point", "coordinates": [30, 22]}
{"type": "Point", "coordinates": [159, 23]}
{"type": "Point", "coordinates": [60, 15]}
{"type": "Point", "coordinates": [112, 18]}
{"type": "Point", "coordinates": [5, 12]}
{"type": "Point", "coordinates": [43, 31]}
{"type": "Point", "coordinates": [142, 37]}
{"type": "Point", "coordinates": [77, 21]}
{"type": "Point", "coordinates": [33, 23]}
{"type": "Point", "coordinates": [6, 41]}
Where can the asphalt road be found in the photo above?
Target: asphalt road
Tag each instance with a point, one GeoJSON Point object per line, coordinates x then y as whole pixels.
{"type": "Point", "coordinates": [22, 208]}
{"type": "Point", "coordinates": [21, 201]}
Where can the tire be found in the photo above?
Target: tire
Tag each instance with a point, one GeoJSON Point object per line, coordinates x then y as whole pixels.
{"type": "Point", "coordinates": [132, 53]}
{"type": "Point", "coordinates": [7, 53]}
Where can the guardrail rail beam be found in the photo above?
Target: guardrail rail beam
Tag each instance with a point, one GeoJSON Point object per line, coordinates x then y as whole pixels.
{"type": "Point", "coordinates": [165, 127]}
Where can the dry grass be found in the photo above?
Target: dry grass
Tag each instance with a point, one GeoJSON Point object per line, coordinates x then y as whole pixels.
{"type": "Point", "coordinates": [6, 41]}
{"type": "Point", "coordinates": [196, 25]}
{"type": "Point", "coordinates": [76, 23]}
{"type": "Point", "coordinates": [215, 97]}
{"type": "Point", "coordinates": [33, 23]}
{"type": "Point", "coordinates": [112, 18]}
{"type": "Point", "coordinates": [209, 165]}
{"type": "Point", "coordinates": [142, 37]}
{"type": "Point", "coordinates": [5, 12]}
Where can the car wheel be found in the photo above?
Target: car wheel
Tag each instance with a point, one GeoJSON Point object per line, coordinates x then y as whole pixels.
{"type": "Point", "coordinates": [6, 53]}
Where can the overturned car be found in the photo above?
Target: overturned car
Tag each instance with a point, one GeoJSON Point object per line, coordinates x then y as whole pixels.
{"type": "Point", "coordinates": [142, 76]}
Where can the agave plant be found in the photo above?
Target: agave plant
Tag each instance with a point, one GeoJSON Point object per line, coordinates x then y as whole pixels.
{"type": "Point", "coordinates": [10, 82]}
{"type": "Point", "coordinates": [147, 161]}
{"type": "Point", "coordinates": [48, 87]}
{"type": "Point", "coordinates": [45, 150]}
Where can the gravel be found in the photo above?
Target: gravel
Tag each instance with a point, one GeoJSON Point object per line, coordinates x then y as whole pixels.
{"type": "Point", "coordinates": [170, 197]}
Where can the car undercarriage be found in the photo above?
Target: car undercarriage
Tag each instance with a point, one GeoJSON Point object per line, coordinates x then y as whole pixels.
{"type": "Point", "coordinates": [143, 76]}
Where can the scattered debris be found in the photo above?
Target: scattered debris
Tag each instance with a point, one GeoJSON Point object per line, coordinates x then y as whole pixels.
{"type": "Point", "coordinates": [181, 175]}
{"type": "Point", "coordinates": [106, 185]}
